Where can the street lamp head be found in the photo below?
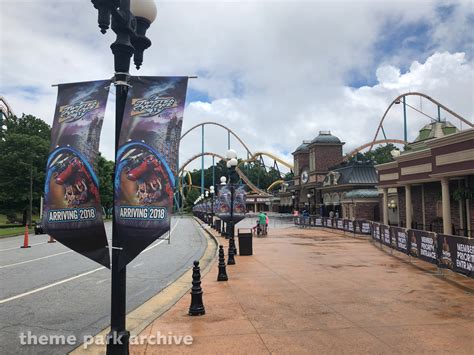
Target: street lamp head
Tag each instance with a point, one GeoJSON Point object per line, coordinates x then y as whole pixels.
{"type": "Point", "coordinates": [233, 162]}
{"type": "Point", "coordinates": [144, 8]}
{"type": "Point", "coordinates": [231, 153]}
{"type": "Point", "coordinates": [207, 193]}
{"type": "Point", "coordinates": [211, 188]}
{"type": "Point", "coordinates": [308, 195]}
{"type": "Point", "coordinates": [223, 180]}
{"type": "Point", "coordinates": [145, 13]}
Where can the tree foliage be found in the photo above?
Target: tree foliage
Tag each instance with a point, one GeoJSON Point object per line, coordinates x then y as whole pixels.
{"type": "Point", "coordinates": [379, 155]}
{"type": "Point", "coordinates": [24, 147]}
{"type": "Point", "coordinates": [105, 169]}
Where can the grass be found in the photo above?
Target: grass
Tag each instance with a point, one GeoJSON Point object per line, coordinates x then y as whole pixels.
{"type": "Point", "coordinates": [3, 218]}
{"type": "Point", "coordinates": [10, 232]}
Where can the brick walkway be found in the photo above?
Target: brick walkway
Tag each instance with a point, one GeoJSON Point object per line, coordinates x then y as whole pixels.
{"type": "Point", "coordinates": [314, 291]}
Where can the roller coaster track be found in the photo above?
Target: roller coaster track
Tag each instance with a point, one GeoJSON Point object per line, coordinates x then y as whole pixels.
{"type": "Point", "coordinates": [220, 125]}
{"type": "Point", "coordinates": [397, 101]}
{"type": "Point", "coordinates": [194, 157]}
{"type": "Point", "coordinates": [5, 108]}
{"type": "Point", "coordinates": [253, 157]}
{"type": "Point", "coordinates": [370, 144]}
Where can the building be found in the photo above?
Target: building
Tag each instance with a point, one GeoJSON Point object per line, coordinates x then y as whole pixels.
{"type": "Point", "coordinates": [349, 191]}
{"type": "Point", "coordinates": [312, 161]}
{"type": "Point", "coordinates": [430, 185]}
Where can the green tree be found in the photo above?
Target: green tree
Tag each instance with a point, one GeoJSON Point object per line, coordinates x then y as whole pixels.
{"type": "Point", "coordinates": [24, 147]}
{"type": "Point", "coordinates": [105, 169]}
{"type": "Point", "coordinates": [381, 154]}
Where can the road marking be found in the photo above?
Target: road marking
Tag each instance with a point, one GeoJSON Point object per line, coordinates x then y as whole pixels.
{"type": "Point", "coordinates": [50, 285]}
{"type": "Point", "coordinates": [163, 240]}
{"type": "Point", "coordinates": [29, 261]}
{"type": "Point", "coordinates": [18, 248]}
{"type": "Point", "coordinates": [71, 278]}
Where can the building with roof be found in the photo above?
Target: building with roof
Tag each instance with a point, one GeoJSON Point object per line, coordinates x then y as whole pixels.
{"type": "Point", "coordinates": [431, 183]}
{"type": "Point", "coordinates": [312, 161]}
{"type": "Point", "coordinates": [349, 191]}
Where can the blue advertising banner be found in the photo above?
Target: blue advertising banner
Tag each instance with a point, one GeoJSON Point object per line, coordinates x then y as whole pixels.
{"type": "Point", "coordinates": [146, 161]}
{"type": "Point", "coordinates": [72, 209]}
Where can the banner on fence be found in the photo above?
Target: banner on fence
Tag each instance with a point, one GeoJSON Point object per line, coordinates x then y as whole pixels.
{"type": "Point", "coordinates": [72, 209]}
{"type": "Point", "coordinates": [423, 245]}
{"type": "Point", "coordinates": [385, 234]}
{"type": "Point", "coordinates": [456, 253]}
{"type": "Point", "coordinates": [401, 239]}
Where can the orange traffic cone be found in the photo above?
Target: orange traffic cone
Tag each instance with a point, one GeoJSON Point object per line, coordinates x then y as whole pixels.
{"type": "Point", "coordinates": [25, 240]}
{"type": "Point", "coordinates": [51, 240]}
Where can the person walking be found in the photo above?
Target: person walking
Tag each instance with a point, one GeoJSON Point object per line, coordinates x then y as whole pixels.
{"type": "Point", "coordinates": [262, 218]}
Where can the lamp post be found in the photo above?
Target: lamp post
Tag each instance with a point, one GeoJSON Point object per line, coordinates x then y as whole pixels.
{"type": "Point", "coordinates": [293, 198]}
{"type": "Point", "coordinates": [206, 195]}
{"type": "Point", "coordinates": [232, 162]}
{"type": "Point", "coordinates": [130, 21]}
{"type": "Point", "coordinates": [212, 205]}
{"type": "Point", "coordinates": [309, 203]}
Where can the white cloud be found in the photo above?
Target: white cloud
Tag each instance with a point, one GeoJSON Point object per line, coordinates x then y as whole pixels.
{"type": "Point", "coordinates": [275, 71]}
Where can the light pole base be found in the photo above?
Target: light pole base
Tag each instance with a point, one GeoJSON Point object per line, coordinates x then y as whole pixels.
{"type": "Point", "coordinates": [117, 342]}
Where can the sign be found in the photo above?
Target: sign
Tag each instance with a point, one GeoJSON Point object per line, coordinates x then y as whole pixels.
{"type": "Point", "coordinates": [72, 209]}
{"type": "Point", "coordinates": [385, 234]}
{"type": "Point", "coordinates": [423, 245]}
{"type": "Point", "coordinates": [147, 161]}
{"type": "Point", "coordinates": [456, 253]}
{"type": "Point", "coordinates": [376, 232]}
{"type": "Point", "coordinates": [401, 239]}
{"type": "Point", "coordinates": [340, 224]}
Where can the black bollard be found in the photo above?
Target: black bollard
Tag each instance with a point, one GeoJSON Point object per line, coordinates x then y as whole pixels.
{"type": "Point", "coordinates": [232, 243]}
{"type": "Point", "coordinates": [222, 276]}
{"type": "Point", "coordinates": [230, 253]}
{"type": "Point", "coordinates": [197, 307]}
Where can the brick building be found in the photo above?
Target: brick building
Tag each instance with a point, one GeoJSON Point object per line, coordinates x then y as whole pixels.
{"type": "Point", "coordinates": [312, 161]}
{"type": "Point", "coordinates": [349, 191]}
{"type": "Point", "coordinates": [430, 186]}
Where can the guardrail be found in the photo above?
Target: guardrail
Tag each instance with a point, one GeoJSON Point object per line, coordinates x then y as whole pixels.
{"type": "Point", "coordinates": [446, 251]}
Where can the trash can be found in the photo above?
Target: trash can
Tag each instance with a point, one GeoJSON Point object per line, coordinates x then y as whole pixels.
{"type": "Point", "coordinates": [245, 241]}
{"type": "Point", "coordinates": [217, 225]}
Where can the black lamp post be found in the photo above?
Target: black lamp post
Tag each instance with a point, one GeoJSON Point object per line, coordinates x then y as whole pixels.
{"type": "Point", "coordinates": [130, 21]}
{"type": "Point", "coordinates": [212, 205]}
{"type": "Point", "coordinates": [231, 165]}
{"type": "Point", "coordinates": [309, 202]}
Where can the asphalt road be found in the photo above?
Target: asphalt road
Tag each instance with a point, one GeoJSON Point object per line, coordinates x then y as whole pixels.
{"type": "Point", "coordinates": [50, 290]}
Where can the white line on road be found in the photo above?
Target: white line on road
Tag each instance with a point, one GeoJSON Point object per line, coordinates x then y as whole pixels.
{"type": "Point", "coordinates": [18, 247]}
{"type": "Point", "coordinates": [71, 278]}
{"type": "Point", "coordinates": [29, 261]}
{"type": "Point", "coordinates": [50, 285]}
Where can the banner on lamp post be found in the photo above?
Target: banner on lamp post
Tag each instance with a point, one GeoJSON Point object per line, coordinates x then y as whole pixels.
{"type": "Point", "coordinates": [147, 161]}
{"type": "Point", "coordinates": [72, 210]}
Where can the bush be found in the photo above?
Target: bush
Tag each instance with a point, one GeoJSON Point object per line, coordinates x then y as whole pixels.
{"type": "Point", "coordinates": [11, 217]}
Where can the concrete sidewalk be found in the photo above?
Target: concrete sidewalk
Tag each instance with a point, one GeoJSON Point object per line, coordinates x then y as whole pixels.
{"type": "Point", "coordinates": [315, 291]}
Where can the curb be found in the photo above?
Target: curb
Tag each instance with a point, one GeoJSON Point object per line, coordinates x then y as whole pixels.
{"type": "Point", "coordinates": [142, 316]}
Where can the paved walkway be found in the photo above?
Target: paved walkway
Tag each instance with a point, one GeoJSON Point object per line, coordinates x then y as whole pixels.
{"type": "Point", "coordinates": [315, 291]}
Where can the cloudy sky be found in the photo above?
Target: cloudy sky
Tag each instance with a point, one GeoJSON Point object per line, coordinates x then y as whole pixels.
{"type": "Point", "coordinates": [276, 72]}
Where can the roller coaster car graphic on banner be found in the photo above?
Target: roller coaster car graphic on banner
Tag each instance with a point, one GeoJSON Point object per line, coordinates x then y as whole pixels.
{"type": "Point", "coordinates": [144, 184]}
{"type": "Point", "coordinates": [71, 183]}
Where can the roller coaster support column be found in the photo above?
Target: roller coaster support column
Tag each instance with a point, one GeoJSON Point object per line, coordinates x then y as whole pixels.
{"type": "Point", "coordinates": [404, 120]}
{"type": "Point", "coordinates": [202, 161]}
{"type": "Point", "coordinates": [213, 172]}
{"type": "Point", "coordinates": [439, 113]}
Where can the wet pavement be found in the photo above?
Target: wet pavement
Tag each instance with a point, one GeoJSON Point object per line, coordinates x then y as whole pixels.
{"type": "Point", "coordinates": [320, 292]}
